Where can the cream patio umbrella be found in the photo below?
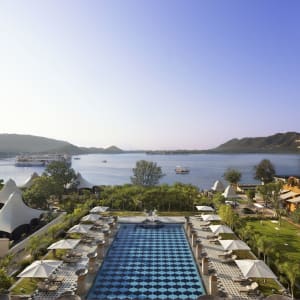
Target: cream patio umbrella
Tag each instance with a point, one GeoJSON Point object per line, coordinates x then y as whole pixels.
{"type": "Point", "coordinates": [204, 208]}
{"type": "Point", "coordinates": [80, 228]}
{"type": "Point", "coordinates": [254, 268]}
{"type": "Point", "coordinates": [66, 244]}
{"type": "Point", "coordinates": [211, 218]}
{"type": "Point", "coordinates": [216, 229]}
{"type": "Point", "coordinates": [99, 209]}
{"type": "Point", "coordinates": [90, 218]}
{"type": "Point", "coordinates": [234, 245]}
{"type": "Point", "coordinates": [40, 269]}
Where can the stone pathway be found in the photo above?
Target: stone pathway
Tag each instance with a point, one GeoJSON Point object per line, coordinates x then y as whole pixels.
{"type": "Point", "coordinates": [224, 271]}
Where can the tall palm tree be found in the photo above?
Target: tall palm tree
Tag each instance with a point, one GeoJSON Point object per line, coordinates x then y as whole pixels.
{"type": "Point", "coordinates": [292, 272]}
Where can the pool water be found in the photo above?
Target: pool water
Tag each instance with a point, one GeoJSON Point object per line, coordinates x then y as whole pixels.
{"type": "Point", "coordinates": [148, 263]}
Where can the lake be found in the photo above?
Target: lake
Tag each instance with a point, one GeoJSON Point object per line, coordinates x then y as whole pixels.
{"type": "Point", "coordinates": [205, 169]}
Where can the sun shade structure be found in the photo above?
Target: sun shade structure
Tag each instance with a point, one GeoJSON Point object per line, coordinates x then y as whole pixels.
{"type": "Point", "coordinates": [99, 209]}
{"type": "Point", "coordinates": [204, 208]}
{"type": "Point", "coordinates": [230, 193]}
{"type": "Point", "coordinates": [90, 218]}
{"type": "Point", "coordinates": [8, 188]}
{"type": "Point", "coordinates": [64, 244]}
{"type": "Point", "coordinates": [218, 186]}
{"type": "Point", "coordinates": [234, 245]}
{"type": "Point", "coordinates": [220, 229]}
{"type": "Point", "coordinates": [80, 228]}
{"type": "Point", "coordinates": [29, 181]}
{"type": "Point", "coordinates": [80, 183]}
{"type": "Point", "coordinates": [211, 218]}
{"type": "Point", "coordinates": [40, 269]}
{"type": "Point", "coordinates": [15, 213]}
{"type": "Point", "coordinates": [254, 268]}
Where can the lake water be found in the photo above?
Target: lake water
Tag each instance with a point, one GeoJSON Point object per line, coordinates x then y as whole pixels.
{"type": "Point", "coordinates": [205, 169]}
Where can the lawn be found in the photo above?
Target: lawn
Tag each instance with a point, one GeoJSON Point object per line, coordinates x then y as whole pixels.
{"type": "Point", "coordinates": [285, 238]}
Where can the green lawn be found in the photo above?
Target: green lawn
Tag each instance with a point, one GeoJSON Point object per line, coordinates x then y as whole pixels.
{"type": "Point", "coordinates": [285, 238]}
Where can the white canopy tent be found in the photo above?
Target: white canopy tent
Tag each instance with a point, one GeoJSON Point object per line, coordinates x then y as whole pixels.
{"type": "Point", "coordinates": [234, 245]}
{"type": "Point", "coordinates": [204, 208]}
{"type": "Point", "coordinates": [80, 183]}
{"type": "Point", "coordinates": [254, 268]}
{"type": "Point", "coordinates": [230, 192]}
{"type": "Point", "coordinates": [40, 269]}
{"type": "Point", "coordinates": [211, 218]}
{"type": "Point", "coordinates": [218, 186]}
{"type": "Point", "coordinates": [216, 229]}
{"type": "Point", "coordinates": [29, 181]}
{"type": "Point", "coordinates": [8, 188]}
{"type": "Point", "coordinates": [15, 213]}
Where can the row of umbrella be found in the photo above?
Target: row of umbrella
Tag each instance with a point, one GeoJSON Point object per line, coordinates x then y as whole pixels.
{"type": "Point", "coordinates": [44, 268]}
{"type": "Point", "coordinates": [250, 268]}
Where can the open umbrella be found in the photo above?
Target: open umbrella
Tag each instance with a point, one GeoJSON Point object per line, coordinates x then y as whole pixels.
{"type": "Point", "coordinates": [204, 208]}
{"type": "Point", "coordinates": [216, 229]}
{"type": "Point", "coordinates": [234, 245]}
{"type": "Point", "coordinates": [99, 209]}
{"type": "Point", "coordinates": [90, 218]}
{"type": "Point", "coordinates": [40, 269]}
{"type": "Point", "coordinates": [211, 218]}
{"type": "Point", "coordinates": [64, 244]}
{"type": "Point", "coordinates": [80, 228]}
{"type": "Point", "coordinates": [254, 268]}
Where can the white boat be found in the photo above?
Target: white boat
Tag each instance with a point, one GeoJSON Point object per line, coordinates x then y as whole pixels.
{"type": "Point", "coordinates": [182, 170]}
{"type": "Point", "coordinates": [40, 160]}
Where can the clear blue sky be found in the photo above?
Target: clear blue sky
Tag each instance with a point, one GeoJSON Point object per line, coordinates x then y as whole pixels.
{"type": "Point", "coordinates": [155, 74]}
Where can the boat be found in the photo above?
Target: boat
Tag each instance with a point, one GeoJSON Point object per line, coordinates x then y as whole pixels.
{"type": "Point", "coordinates": [104, 161]}
{"type": "Point", "coordinates": [182, 170]}
{"type": "Point", "coordinates": [40, 160]}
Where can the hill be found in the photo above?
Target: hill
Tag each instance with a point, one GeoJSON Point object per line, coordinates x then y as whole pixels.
{"type": "Point", "coordinates": [13, 144]}
{"type": "Point", "coordinates": [277, 143]}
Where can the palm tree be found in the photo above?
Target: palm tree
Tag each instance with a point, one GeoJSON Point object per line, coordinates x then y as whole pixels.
{"type": "Point", "coordinates": [291, 271]}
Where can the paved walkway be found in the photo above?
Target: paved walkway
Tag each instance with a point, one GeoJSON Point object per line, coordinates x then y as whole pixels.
{"type": "Point", "coordinates": [225, 272]}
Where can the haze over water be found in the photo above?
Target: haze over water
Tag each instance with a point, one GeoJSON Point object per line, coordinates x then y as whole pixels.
{"type": "Point", "coordinates": [205, 169]}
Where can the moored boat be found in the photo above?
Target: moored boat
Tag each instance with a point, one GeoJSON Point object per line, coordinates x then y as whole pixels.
{"type": "Point", "coordinates": [40, 160]}
{"type": "Point", "coordinates": [182, 170]}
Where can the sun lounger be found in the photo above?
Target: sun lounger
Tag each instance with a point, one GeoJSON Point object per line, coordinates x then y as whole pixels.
{"type": "Point", "coordinates": [249, 289]}
{"type": "Point", "coordinates": [225, 254]}
{"type": "Point", "coordinates": [211, 236]}
{"type": "Point", "coordinates": [229, 259]}
{"type": "Point", "coordinates": [240, 279]}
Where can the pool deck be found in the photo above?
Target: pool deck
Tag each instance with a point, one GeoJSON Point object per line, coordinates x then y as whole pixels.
{"type": "Point", "coordinates": [225, 272]}
{"type": "Point", "coordinates": [227, 288]}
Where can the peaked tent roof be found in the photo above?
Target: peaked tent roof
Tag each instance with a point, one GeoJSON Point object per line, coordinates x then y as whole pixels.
{"type": "Point", "coordinates": [218, 186]}
{"type": "Point", "coordinates": [15, 213]}
{"type": "Point", "coordinates": [230, 192]}
{"type": "Point", "coordinates": [29, 181]}
{"type": "Point", "coordinates": [8, 188]}
{"type": "Point", "coordinates": [81, 183]}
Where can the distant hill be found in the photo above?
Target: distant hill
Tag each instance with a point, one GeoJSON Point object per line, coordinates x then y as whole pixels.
{"type": "Point", "coordinates": [277, 143]}
{"type": "Point", "coordinates": [13, 144]}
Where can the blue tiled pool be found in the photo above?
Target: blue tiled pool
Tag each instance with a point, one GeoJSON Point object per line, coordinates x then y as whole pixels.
{"type": "Point", "coordinates": [148, 263]}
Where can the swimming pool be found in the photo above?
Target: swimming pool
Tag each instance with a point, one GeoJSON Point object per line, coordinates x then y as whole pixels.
{"type": "Point", "coordinates": [148, 263]}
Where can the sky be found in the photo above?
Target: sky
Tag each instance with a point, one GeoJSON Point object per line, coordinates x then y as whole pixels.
{"type": "Point", "coordinates": [149, 74]}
